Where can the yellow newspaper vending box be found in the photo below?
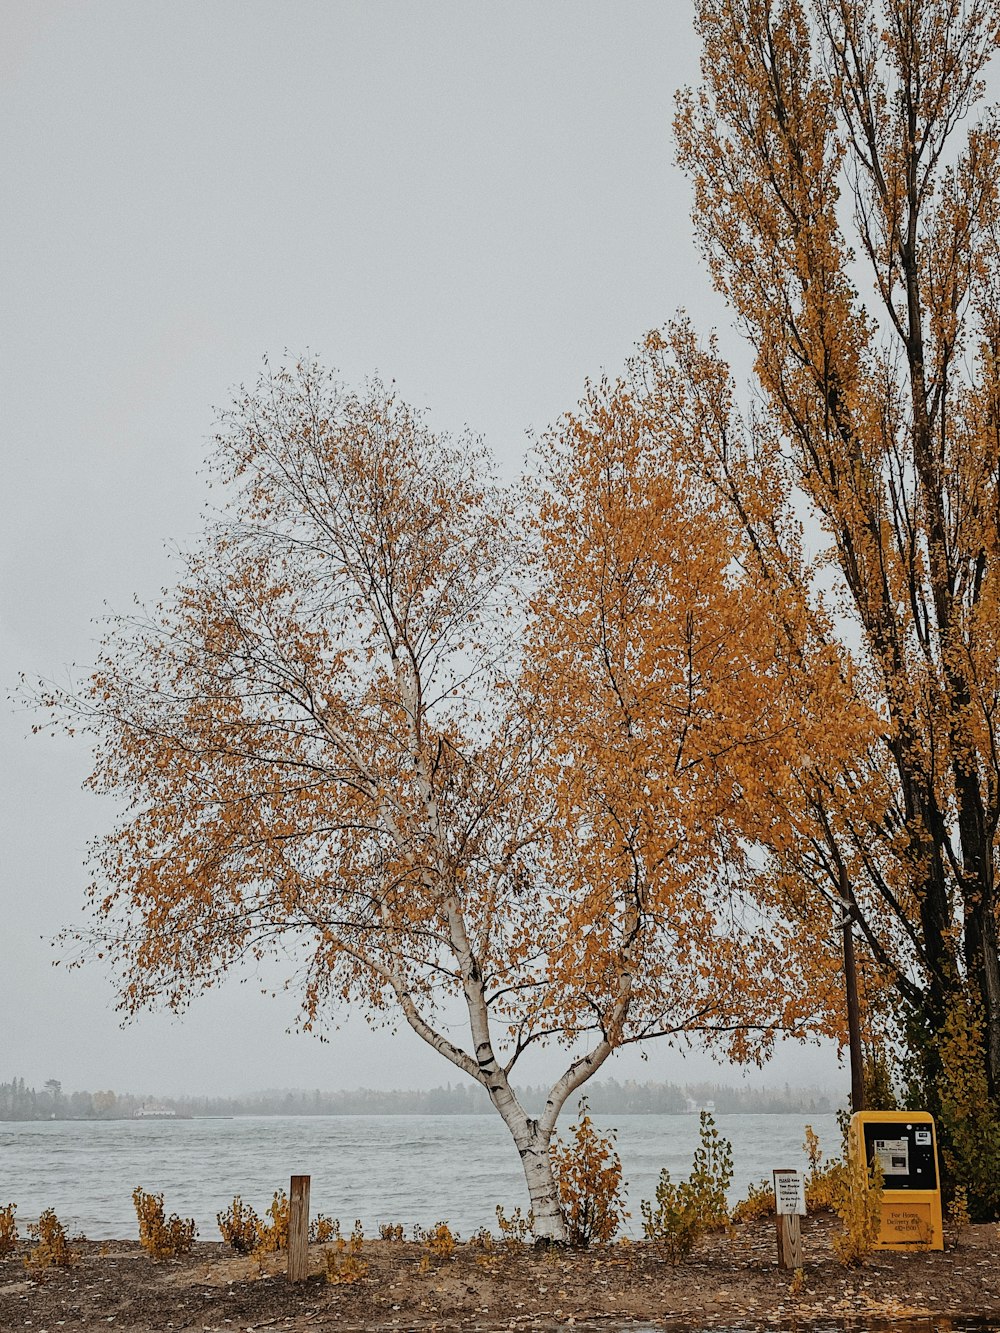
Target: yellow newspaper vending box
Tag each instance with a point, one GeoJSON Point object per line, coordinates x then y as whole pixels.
{"type": "Point", "coordinates": [905, 1146]}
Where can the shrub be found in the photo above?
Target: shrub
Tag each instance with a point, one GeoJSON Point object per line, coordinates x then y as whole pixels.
{"type": "Point", "coordinates": [439, 1244]}
{"type": "Point", "coordinates": [712, 1173]}
{"type": "Point", "coordinates": [821, 1177]}
{"type": "Point", "coordinates": [343, 1257]}
{"type": "Point", "coordinates": [240, 1226]}
{"type": "Point", "coordinates": [968, 1118]}
{"type": "Point", "coordinates": [685, 1211]}
{"type": "Point", "coordinates": [161, 1237]}
{"type": "Point", "coordinates": [52, 1247]}
{"type": "Point", "coordinates": [8, 1230]}
{"type": "Point", "coordinates": [247, 1233]}
{"type": "Point", "coordinates": [958, 1215]}
{"type": "Point", "coordinates": [758, 1203]}
{"type": "Point", "coordinates": [390, 1231]}
{"type": "Point", "coordinates": [676, 1223]}
{"type": "Point", "coordinates": [273, 1236]}
{"type": "Point", "coordinates": [857, 1201]}
{"type": "Point", "coordinates": [588, 1174]}
{"type": "Point", "coordinates": [491, 1255]}
{"type": "Point", "coordinates": [514, 1230]}
{"type": "Point", "coordinates": [322, 1229]}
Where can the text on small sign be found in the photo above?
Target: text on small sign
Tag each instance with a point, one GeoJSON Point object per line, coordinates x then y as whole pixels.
{"type": "Point", "coordinates": [789, 1193]}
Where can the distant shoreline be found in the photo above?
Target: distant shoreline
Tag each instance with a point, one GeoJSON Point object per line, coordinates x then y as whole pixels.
{"type": "Point", "coordinates": [357, 1115]}
{"type": "Point", "coordinates": [603, 1098]}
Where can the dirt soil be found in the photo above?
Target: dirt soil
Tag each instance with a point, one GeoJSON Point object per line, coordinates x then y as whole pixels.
{"type": "Point", "coordinates": [730, 1281]}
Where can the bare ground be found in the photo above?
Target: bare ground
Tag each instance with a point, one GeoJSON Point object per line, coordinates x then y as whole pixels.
{"type": "Point", "coordinates": [730, 1281]}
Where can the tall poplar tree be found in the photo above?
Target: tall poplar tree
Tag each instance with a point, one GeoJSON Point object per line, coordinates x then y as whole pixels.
{"type": "Point", "coordinates": [849, 214]}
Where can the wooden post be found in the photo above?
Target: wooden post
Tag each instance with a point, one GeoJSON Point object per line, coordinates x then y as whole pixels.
{"type": "Point", "coordinates": [789, 1240]}
{"type": "Point", "coordinates": [298, 1229]}
{"type": "Point", "coordinates": [789, 1204]}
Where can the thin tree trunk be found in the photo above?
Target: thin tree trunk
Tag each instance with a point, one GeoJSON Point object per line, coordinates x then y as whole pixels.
{"type": "Point", "coordinates": [853, 1018]}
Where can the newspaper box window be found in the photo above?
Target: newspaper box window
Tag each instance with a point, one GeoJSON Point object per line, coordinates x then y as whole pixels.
{"type": "Point", "coordinates": [892, 1156]}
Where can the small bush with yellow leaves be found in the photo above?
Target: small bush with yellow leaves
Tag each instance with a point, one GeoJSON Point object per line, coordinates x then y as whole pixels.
{"type": "Point", "coordinates": [439, 1244]}
{"type": "Point", "coordinates": [52, 1247]}
{"type": "Point", "coordinates": [323, 1229]}
{"type": "Point", "coordinates": [514, 1230]}
{"type": "Point", "coordinates": [343, 1258]}
{"type": "Point", "coordinates": [588, 1176]}
{"type": "Point", "coordinates": [686, 1210]}
{"type": "Point", "coordinates": [959, 1218]}
{"type": "Point", "coordinates": [240, 1226]}
{"type": "Point", "coordinates": [822, 1177]}
{"type": "Point", "coordinates": [758, 1203]}
{"type": "Point", "coordinates": [161, 1237]}
{"type": "Point", "coordinates": [273, 1235]}
{"type": "Point", "coordinates": [857, 1201]}
{"type": "Point", "coordinates": [8, 1230]}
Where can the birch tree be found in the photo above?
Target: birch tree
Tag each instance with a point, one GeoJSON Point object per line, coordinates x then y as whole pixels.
{"type": "Point", "coordinates": [334, 752]}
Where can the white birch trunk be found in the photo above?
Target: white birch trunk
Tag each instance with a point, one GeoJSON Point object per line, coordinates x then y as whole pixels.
{"type": "Point", "coordinates": [548, 1225]}
{"type": "Point", "coordinates": [532, 1137]}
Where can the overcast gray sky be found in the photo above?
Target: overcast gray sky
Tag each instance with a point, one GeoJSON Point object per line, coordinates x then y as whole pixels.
{"type": "Point", "coordinates": [475, 199]}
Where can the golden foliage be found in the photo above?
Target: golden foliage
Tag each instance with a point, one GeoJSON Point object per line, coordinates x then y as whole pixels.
{"type": "Point", "coordinates": [160, 1236]}
{"type": "Point", "coordinates": [857, 1201]}
{"type": "Point", "coordinates": [821, 1178]}
{"type": "Point", "coordinates": [439, 1244]}
{"type": "Point", "coordinates": [659, 661]}
{"type": "Point", "coordinates": [878, 427]}
{"type": "Point", "coordinates": [440, 1241]}
{"type": "Point", "coordinates": [514, 1230]}
{"type": "Point", "coordinates": [239, 1226]}
{"type": "Point", "coordinates": [52, 1247]}
{"type": "Point", "coordinates": [959, 1217]}
{"type": "Point", "coordinates": [968, 1119]}
{"type": "Point", "coordinates": [588, 1174]}
{"type": "Point", "coordinates": [345, 734]}
{"type": "Point", "coordinates": [759, 1202]}
{"type": "Point", "coordinates": [273, 1235]}
{"type": "Point", "coordinates": [342, 1259]}
{"type": "Point", "coordinates": [323, 1229]}
{"type": "Point", "coordinates": [8, 1230]}
{"type": "Point", "coordinates": [247, 1233]}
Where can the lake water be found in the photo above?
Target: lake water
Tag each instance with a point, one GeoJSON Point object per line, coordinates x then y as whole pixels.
{"type": "Point", "coordinates": [408, 1169]}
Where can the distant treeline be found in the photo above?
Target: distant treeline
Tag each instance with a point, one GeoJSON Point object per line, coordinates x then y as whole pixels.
{"type": "Point", "coordinates": [609, 1097]}
{"type": "Point", "coordinates": [19, 1102]}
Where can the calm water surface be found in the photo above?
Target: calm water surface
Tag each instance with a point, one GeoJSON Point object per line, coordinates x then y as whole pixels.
{"type": "Point", "coordinates": [409, 1169]}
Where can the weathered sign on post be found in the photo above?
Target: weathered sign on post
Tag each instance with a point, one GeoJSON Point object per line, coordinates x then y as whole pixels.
{"type": "Point", "coordinates": [789, 1205]}
{"type": "Point", "coordinates": [298, 1229]}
